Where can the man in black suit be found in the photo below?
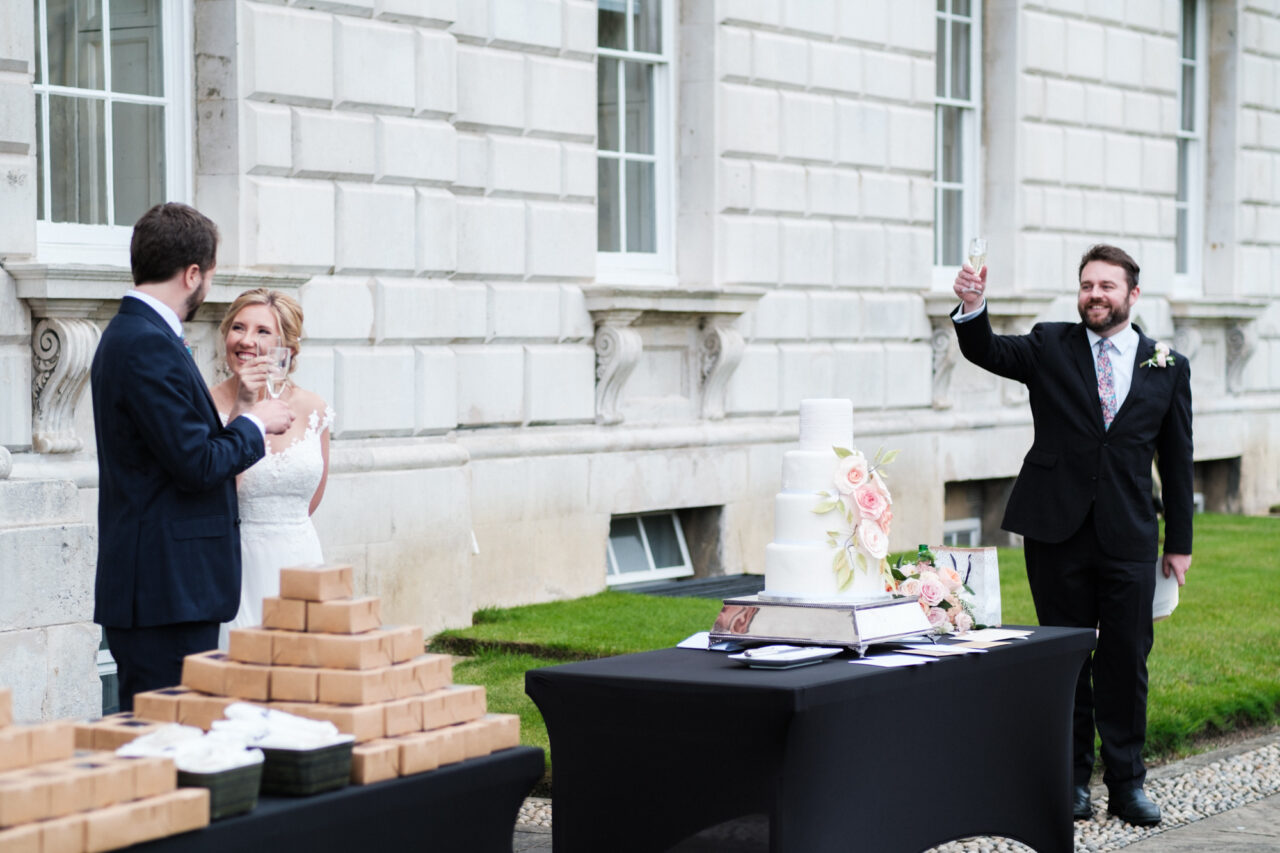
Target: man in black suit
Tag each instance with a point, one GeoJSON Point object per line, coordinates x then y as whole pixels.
{"type": "Point", "coordinates": [168, 542]}
{"type": "Point", "coordinates": [1104, 401]}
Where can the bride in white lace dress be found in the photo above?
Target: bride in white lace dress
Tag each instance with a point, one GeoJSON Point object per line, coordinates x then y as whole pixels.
{"type": "Point", "coordinates": [278, 494]}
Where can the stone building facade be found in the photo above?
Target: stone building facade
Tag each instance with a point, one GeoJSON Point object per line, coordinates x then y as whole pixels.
{"type": "Point", "coordinates": [569, 263]}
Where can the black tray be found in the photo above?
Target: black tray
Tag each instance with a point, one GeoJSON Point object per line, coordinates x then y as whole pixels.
{"type": "Point", "coordinates": [300, 772]}
{"type": "Point", "coordinates": [231, 792]}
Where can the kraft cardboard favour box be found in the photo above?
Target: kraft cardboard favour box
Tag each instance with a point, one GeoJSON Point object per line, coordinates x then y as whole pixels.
{"type": "Point", "coordinates": [317, 583]}
{"type": "Point", "coordinates": [285, 614]}
{"type": "Point", "coordinates": [344, 616]}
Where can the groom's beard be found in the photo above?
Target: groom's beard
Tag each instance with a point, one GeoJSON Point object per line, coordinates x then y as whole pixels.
{"type": "Point", "coordinates": [1116, 315]}
{"type": "Point", "coordinates": [196, 298]}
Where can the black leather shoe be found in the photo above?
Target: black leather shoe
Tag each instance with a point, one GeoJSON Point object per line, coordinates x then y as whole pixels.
{"type": "Point", "coordinates": [1081, 805]}
{"type": "Point", "coordinates": [1133, 806]}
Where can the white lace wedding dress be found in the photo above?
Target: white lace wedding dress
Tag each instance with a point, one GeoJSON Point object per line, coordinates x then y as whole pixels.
{"type": "Point", "coordinates": [275, 526]}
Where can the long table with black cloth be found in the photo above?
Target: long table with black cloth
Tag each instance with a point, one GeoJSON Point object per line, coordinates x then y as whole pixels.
{"type": "Point", "coordinates": [469, 807]}
{"type": "Point", "coordinates": [839, 757]}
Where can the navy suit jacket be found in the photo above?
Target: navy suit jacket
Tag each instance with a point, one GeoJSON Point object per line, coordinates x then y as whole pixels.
{"type": "Point", "coordinates": [1074, 462]}
{"type": "Point", "coordinates": [168, 537]}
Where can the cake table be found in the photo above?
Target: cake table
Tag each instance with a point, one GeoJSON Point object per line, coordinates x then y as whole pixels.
{"type": "Point", "coordinates": [839, 757]}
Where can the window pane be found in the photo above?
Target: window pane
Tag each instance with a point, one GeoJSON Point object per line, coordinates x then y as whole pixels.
{"type": "Point", "coordinates": [940, 63]}
{"type": "Point", "coordinates": [628, 550]}
{"type": "Point", "coordinates": [611, 24]}
{"type": "Point", "coordinates": [41, 213]}
{"type": "Point", "coordinates": [1183, 163]}
{"type": "Point", "coordinates": [1188, 97]}
{"type": "Point", "coordinates": [960, 61]}
{"type": "Point", "coordinates": [607, 104]}
{"type": "Point", "coordinates": [1188, 29]}
{"type": "Point", "coordinates": [608, 209]}
{"type": "Point", "coordinates": [75, 43]}
{"type": "Point", "coordinates": [1181, 264]}
{"type": "Point", "coordinates": [136, 60]}
{"type": "Point", "coordinates": [647, 30]}
{"type": "Point", "coordinates": [942, 5]}
{"type": "Point", "coordinates": [949, 224]}
{"type": "Point", "coordinates": [950, 145]}
{"type": "Point", "coordinates": [663, 544]}
{"type": "Point", "coordinates": [137, 157]}
{"type": "Point", "coordinates": [639, 107]}
{"type": "Point", "coordinates": [641, 208]}
{"type": "Point", "coordinates": [77, 147]}
{"type": "Point", "coordinates": [960, 7]}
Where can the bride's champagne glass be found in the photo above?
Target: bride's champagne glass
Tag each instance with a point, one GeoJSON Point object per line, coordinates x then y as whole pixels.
{"type": "Point", "coordinates": [278, 367]}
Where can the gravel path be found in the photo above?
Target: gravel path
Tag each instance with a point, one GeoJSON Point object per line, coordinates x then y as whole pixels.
{"type": "Point", "coordinates": [1186, 792]}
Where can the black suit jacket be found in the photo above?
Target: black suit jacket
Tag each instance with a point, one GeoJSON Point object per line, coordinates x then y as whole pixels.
{"type": "Point", "coordinates": [1074, 462]}
{"type": "Point", "coordinates": [168, 542]}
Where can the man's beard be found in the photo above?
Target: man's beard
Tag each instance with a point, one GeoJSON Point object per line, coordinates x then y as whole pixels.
{"type": "Point", "coordinates": [195, 299]}
{"type": "Point", "coordinates": [1115, 316]}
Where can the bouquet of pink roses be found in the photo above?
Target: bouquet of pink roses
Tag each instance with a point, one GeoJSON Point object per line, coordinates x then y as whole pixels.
{"type": "Point", "coordinates": [941, 590]}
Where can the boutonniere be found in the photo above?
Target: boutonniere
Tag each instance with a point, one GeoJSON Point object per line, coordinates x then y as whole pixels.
{"type": "Point", "coordinates": [1162, 358]}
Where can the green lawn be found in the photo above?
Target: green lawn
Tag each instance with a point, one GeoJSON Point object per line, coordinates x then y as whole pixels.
{"type": "Point", "coordinates": [1214, 667]}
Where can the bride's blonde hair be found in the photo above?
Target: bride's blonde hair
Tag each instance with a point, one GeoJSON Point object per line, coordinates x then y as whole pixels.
{"type": "Point", "coordinates": [286, 309]}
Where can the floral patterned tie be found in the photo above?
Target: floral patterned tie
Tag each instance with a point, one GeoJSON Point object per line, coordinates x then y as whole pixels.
{"type": "Point", "coordinates": [1106, 382]}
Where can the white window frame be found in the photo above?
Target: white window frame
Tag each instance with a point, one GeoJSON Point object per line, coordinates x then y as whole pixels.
{"type": "Point", "coordinates": [1190, 281]}
{"type": "Point", "coordinates": [956, 527]}
{"type": "Point", "coordinates": [970, 139]}
{"type": "Point", "coordinates": [614, 576]}
{"type": "Point", "coordinates": [70, 242]}
{"type": "Point", "coordinates": [657, 267]}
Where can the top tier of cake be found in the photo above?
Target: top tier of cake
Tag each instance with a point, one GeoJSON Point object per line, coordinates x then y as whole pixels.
{"type": "Point", "coordinates": [825, 424]}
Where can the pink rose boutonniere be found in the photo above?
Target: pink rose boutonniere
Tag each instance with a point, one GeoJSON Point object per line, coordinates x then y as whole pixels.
{"type": "Point", "coordinates": [1162, 358]}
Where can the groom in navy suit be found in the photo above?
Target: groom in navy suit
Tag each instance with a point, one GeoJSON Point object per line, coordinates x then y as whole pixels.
{"type": "Point", "coordinates": [168, 542]}
{"type": "Point", "coordinates": [1104, 401]}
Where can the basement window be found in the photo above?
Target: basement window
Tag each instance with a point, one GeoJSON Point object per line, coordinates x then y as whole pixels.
{"type": "Point", "coordinates": [647, 547]}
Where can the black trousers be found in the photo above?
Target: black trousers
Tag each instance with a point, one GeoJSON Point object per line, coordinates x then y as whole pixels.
{"type": "Point", "coordinates": [1077, 584]}
{"type": "Point", "coordinates": [151, 658]}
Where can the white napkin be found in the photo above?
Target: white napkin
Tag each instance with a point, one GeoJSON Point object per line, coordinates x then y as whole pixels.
{"type": "Point", "coordinates": [265, 727]}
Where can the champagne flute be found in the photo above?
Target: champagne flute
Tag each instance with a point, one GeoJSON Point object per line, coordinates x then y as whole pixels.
{"type": "Point", "coordinates": [977, 257]}
{"type": "Point", "coordinates": [278, 368]}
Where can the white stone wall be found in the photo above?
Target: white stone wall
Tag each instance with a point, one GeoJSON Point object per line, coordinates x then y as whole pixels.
{"type": "Point", "coordinates": [824, 159]}
{"type": "Point", "coordinates": [423, 172]}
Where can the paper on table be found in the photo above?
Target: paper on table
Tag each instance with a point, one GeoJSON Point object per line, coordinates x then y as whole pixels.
{"type": "Point", "coordinates": [702, 640]}
{"type": "Point", "coordinates": [893, 660]}
{"type": "Point", "coordinates": [988, 635]}
{"type": "Point", "coordinates": [942, 651]}
{"type": "Point", "coordinates": [982, 644]}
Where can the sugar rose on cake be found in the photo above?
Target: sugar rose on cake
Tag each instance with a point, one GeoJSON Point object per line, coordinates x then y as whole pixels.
{"type": "Point", "coordinates": [860, 504]}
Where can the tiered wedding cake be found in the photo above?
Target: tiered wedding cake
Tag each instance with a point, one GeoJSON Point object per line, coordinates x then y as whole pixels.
{"type": "Point", "coordinates": [832, 516]}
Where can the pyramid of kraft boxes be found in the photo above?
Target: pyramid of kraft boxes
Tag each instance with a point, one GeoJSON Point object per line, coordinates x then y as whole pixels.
{"type": "Point", "coordinates": [324, 654]}
{"type": "Point", "coordinates": [54, 799]}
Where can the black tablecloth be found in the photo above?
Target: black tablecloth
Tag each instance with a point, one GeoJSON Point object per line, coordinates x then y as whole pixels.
{"type": "Point", "coordinates": [648, 749]}
{"type": "Point", "coordinates": [466, 807]}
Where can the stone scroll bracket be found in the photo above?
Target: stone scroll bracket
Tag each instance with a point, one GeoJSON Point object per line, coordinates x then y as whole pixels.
{"type": "Point", "coordinates": [62, 351]}
{"type": "Point", "coordinates": [627, 315]}
{"type": "Point", "coordinates": [721, 347]}
{"type": "Point", "coordinates": [946, 354]}
{"type": "Point", "coordinates": [618, 348]}
{"type": "Point", "coordinates": [1242, 343]}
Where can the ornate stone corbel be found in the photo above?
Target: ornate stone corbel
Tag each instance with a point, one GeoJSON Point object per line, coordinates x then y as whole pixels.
{"type": "Point", "coordinates": [946, 354]}
{"type": "Point", "coordinates": [62, 351]}
{"type": "Point", "coordinates": [1186, 340]}
{"type": "Point", "coordinates": [617, 352]}
{"type": "Point", "coordinates": [720, 347]}
{"type": "Point", "coordinates": [1242, 342]}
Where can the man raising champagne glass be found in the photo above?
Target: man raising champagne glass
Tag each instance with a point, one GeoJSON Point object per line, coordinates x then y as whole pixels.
{"type": "Point", "coordinates": [1102, 405]}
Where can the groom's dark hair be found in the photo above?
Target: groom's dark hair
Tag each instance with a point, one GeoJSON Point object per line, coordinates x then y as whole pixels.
{"type": "Point", "coordinates": [169, 238]}
{"type": "Point", "coordinates": [1111, 255]}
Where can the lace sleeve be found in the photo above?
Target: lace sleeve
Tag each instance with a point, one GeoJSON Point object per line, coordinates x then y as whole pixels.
{"type": "Point", "coordinates": [327, 421]}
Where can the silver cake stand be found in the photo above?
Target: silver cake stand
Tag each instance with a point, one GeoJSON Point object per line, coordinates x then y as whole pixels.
{"type": "Point", "coordinates": [853, 624]}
